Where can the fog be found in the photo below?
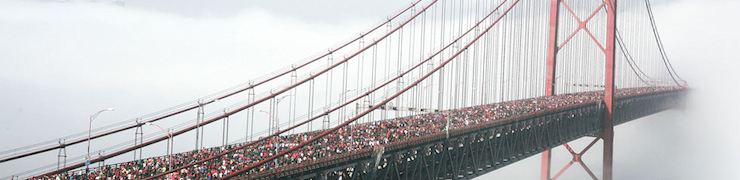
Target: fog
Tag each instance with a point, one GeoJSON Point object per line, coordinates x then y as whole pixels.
{"type": "Point", "coordinates": [61, 62]}
{"type": "Point", "coordinates": [696, 143]}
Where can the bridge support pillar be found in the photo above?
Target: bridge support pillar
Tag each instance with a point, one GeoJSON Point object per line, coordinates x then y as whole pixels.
{"type": "Point", "coordinates": [608, 134]}
{"type": "Point", "coordinates": [577, 159]}
{"type": "Point", "coordinates": [608, 123]}
{"type": "Point", "coordinates": [545, 167]}
{"type": "Point", "coordinates": [552, 49]}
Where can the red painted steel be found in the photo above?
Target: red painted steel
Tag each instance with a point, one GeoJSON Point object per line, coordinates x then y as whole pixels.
{"type": "Point", "coordinates": [338, 107]}
{"type": "Point", "coordinates": [550, 76]}
{"type": "Point", "coordinates": [545, 166]}
{"type": "Point", "coordinates": [221, 97]}
{"type": "Point", "coordinates": [427, 75]}
{"type": "Point", "coordinates": [240, 108]}
{"type": "Point", "coordinates": [582, 25]}
{"type": "Point", "coordinates": [552, 49]}
{"type": "Point", "coordinates": [577, 159]}
{"type": "Point", "coordinates": [608, 134]}
{"type": "Point", "coordinates": [608, 129]}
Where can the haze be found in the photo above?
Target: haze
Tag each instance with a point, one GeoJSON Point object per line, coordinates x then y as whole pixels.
{"type": "Point", "coordinates": [61, 62]}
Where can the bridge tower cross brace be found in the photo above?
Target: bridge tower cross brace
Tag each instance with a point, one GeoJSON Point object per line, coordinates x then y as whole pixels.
{"type": "Point", "coordinates": [607, 134]}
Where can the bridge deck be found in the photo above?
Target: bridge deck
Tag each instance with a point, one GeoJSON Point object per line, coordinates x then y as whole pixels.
{"type": "Point", "coordinates": [499, 134]}
{"type": "Point", "coordinates": [474, 150]}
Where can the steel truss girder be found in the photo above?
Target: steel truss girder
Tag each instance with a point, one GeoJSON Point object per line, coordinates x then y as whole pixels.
{"type": "Point", "coordinates": [471, 154]}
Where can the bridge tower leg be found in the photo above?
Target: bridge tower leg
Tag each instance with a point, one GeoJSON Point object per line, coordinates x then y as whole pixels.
{"type": "Point", "coordinates": [552, 48]}
{"type": "Point", "coordinates": [608, 134]}
{"type": "Point", "coordinates": [608, 124]}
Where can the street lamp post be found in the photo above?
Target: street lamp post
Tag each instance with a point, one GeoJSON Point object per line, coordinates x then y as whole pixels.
{"type": "Point", "coordinates": [89, 129]}
{"type": "Point", "coordinates": [277, 103]}
{"type": "Point", "coordinates": [169, 141]}
{"type": "Point", "coordinates": [274, 119]}
{"type": "Point", "coordinates": [275, 139]}
{"type": "Point", "coordinates": [281, 98]}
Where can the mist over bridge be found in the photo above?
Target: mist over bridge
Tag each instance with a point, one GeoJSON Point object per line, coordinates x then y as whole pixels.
{"type": "Point", "coordinates": [455, 55]}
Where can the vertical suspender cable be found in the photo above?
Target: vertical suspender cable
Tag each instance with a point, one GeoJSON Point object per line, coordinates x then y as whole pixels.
{"type": "Point", "coordinates": [668, 65]}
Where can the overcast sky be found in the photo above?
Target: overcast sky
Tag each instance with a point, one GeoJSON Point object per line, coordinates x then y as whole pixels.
{"type": "Point", "coordinates": [61, 62]}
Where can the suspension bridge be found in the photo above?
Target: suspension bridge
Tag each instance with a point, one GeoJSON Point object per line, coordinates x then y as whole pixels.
{"type": "Point", "coordinates": [440, 89]}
